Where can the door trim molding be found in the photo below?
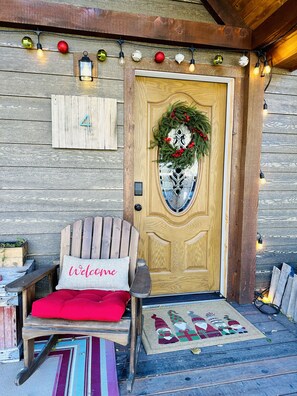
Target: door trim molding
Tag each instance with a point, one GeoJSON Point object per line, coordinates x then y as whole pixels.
{"type": "Point", "coordinates": [227, 155]}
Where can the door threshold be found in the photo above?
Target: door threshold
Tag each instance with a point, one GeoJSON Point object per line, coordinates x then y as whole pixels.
{"type": "Point", "coordinates": [181, 298]}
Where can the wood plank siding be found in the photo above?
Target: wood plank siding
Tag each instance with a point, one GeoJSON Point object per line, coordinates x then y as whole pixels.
{"type": "Point", "coordinates": [42, 189]}
{"type": "Point", "coordinates": [277, 213]}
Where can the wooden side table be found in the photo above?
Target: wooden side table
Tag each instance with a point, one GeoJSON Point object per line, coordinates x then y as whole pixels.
{"type": "Point", "coordinates": [11, 313]}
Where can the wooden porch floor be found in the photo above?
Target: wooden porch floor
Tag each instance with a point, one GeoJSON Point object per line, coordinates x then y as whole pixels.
{"type": "Point", "coordinates": [262, 367]}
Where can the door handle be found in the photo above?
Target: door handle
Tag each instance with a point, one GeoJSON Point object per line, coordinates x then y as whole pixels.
{"type": "Point", "coordinates": [138, 207]}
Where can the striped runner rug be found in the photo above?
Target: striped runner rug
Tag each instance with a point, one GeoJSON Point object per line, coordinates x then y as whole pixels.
{"type": "Point", "coordinates": [84, 366]}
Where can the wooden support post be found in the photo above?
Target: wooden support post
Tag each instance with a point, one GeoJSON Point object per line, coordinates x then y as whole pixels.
{"type": "Point", "coordinates": [242, 280]}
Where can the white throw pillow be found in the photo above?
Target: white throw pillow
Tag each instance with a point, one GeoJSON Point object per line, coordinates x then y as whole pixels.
{"type": "Point", "coordinates": [103, 274]}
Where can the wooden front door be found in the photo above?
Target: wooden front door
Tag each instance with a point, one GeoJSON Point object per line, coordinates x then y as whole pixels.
{"type": "Point", "coordinates": [182, 248]}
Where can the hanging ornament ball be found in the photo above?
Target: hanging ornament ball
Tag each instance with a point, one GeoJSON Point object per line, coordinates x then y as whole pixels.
{"type": "Point", "coordinates": [179, 58]}
{"type": "Point", "coordinates": [243, 61]}
{"type": "Point", "coordinates": [27, 42]}
{"type": "Point", "coordinates": [101, 55]}
{"type": "Point", "coordinates": [63, 47]}
{"type": "Point", "coordinates": [136, 56]}
{"type": "Point", "coordinates": [218, 60]}
{"type": "Point", "coordinates": [159, 57]}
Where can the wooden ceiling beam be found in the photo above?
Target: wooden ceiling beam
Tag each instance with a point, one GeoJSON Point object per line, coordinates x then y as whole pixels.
{"type": "Point", "coordinates": [223, 13]}
{"type": "Point", "coordinates": [284, 53]}
{"type": "Point", "coordinates": [67, 18]}
{"type": "Point", "coordinates": [276, 26]}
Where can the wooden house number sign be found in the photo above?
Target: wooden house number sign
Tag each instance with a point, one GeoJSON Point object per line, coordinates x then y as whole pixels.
{"type": "Point", "coordinates": [84, 122]}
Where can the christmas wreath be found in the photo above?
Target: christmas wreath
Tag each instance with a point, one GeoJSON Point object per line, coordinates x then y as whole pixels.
{"type": "Point", "coordinates": [182, 135]}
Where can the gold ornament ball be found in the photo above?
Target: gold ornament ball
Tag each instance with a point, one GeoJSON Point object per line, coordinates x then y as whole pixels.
{"type": "Point", "coordinates": [27, 42]}
{"type": "Point", "coordinates": [101, 55]}
{"type": "Point", "coordinates": [218, 60]}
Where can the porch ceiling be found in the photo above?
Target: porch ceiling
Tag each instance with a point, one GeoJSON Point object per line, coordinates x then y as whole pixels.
{"type": "Point", "coordinates": [273, 25]}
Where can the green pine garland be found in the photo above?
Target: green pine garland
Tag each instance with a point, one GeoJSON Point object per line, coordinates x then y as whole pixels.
{"type": "Point", "coordinates": [177, 114]}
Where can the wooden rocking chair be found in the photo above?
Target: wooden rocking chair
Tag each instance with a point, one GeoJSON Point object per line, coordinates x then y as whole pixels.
{"type": "Point", "coordinates": [91, 238]}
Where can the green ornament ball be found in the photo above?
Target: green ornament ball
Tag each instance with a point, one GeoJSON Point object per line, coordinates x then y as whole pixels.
{"type": "Point", "coordinates": [27, 42]}
{"type": "Point", "coordinates": [218, 60]}
{"type": "Point", "coordinates": [101, 55]}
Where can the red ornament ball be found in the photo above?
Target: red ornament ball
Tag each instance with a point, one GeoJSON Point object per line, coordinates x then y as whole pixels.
{"type": "Point", "coordinates": [159, 57]}
{"type": "Point", "coordinates": [62, 47]}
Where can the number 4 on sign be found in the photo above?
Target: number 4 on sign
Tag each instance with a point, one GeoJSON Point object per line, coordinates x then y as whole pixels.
{"type": "Point", "coordinates": [86, 121]}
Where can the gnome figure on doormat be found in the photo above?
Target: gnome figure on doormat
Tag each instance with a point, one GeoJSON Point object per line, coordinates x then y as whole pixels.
{"type": "Point", "coordinates": [235, 325]}
{"type": "Point", "coordinates": [182, 329]}
{"type": "Point", "coordinates": [204, 329]}
{"type": "Point", "coordinates": [165, 335]}
{"type": "Point", "coordinates": [219, 324]}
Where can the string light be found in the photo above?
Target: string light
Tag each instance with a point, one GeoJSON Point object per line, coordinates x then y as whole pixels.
{"type": "Point", "coordinates": [192, 61]}
{"type": "Point", "coordinates": [39, 46]}
{"type": "Point", "coordinates": [262, 177]}
{"type": "Point", "coordinates": [257, 69]}
{"type": "Point", "coordinates": [262, 61]}
{"type": "Point", "coordinates": [259, 244]}
{"type": "Point", "coordinates": [265, 108]}
{"type": "Point", "coordinates": [121, 53]}
{"type": "Point", "coordinates": [267, 68]}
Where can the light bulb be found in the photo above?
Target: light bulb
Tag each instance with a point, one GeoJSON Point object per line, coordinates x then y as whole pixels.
{"type": "Point", "coordinates": [121, 58]}
{"type": "Point", "coordinates": [267, 68]}
{"type": "Point", "coordinates": [262, 178]}
{"type": "Point", "coordinates": [257, 69]}
{"type": "Point", "coordinates": [259, 243]}
{"type": "Point", "coordinates": [192, 66]}
{"type": "Point", "coordinates": [39, 51]}
{"type": "Point", "coordinates": [39, 46]}
{"type": "Point", "coordinates": [265, 108]}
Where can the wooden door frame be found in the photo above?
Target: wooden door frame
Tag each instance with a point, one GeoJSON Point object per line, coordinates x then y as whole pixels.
{"type": "Point", "coordinates": [239, 247]}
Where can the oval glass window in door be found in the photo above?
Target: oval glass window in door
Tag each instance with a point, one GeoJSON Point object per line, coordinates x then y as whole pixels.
{"type": "Point", "coordinates": [178, 186]}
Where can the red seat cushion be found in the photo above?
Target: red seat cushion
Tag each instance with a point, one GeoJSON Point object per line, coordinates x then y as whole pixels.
{"type": "Point", "coordinates": [102, 305]}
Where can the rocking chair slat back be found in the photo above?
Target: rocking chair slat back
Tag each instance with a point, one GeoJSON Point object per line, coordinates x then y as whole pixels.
{"type": "Point", "coordinates": [97, 235]}
{"type": "Point", "coordinates": [116, 238]}
{"type": "Point", "coordinates": [76, 238]}
{"type": "Point", "coordinates": [101, 238]}
{"type": "Point", "coordinates": [87, 238]}
{"type": "Point", "coordinates": [65, 243]}
{"type": "Point", "coordinates": [125, 241]}
{"type": "Point", "coordinates": [106, 238]}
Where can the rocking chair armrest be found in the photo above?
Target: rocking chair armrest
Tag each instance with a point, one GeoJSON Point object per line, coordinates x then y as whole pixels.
{"type": "Point", "coordinates": [30, 279]}
{"type": "Point", "coordinates": [141, 286]}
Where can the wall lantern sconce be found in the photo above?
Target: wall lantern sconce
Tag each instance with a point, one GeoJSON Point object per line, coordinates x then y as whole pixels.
{"type": "Point", "coordinates": [85, 68]}
{"type": "Point", "coordinates": [192, 61]}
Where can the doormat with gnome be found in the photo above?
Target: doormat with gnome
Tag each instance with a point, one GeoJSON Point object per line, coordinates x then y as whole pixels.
{"type": "Point", "coordinates": [192, 325]}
